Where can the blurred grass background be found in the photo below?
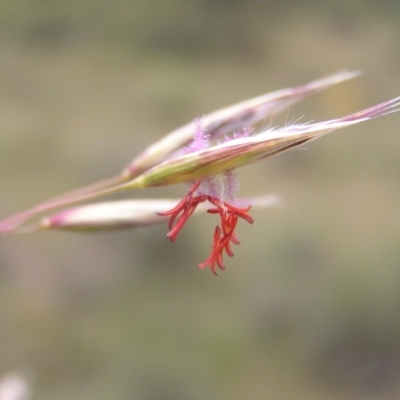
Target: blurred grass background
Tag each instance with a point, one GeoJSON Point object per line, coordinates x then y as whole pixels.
{"type": "Point", "coordinates": [309, 306]}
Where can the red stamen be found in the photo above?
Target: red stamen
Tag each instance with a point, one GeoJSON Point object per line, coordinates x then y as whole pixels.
{"type": "Point", "coordinates": [187, 212]}
{"type": "Point", "coordinates": [186, 208]}
{"type": "Point", "coordinates": [215, 258]}
{"type": "Point", "coordinates": [224, 235]}
{"type": "Point", "coordinates": [229, 217]}
{"type": "Point", "coordinates": [226, 207]}
{"type": "Point", "coordinates": [181, 206]}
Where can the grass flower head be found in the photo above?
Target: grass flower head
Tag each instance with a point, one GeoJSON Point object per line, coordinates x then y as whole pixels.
{"type": "Point", "coordinates": [205, 155]}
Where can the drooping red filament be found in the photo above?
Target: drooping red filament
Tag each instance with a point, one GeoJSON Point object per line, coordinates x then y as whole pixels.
{"type": "Point", "coordinates": [186, 207]}
{"type": "Point", "coordinates": [229, 216]}
{"type": "Point", "coordinates": [224, 235]}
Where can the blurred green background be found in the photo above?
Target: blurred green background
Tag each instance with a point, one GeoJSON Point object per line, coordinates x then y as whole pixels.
{"type": "Point", "coordinates": [309, 306]}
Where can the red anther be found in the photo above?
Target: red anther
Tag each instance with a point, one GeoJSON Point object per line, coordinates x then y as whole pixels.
{"type": "Point", "coordinates": [215, 258]}
{"type": "Point", "coordinates": [184, 209]}
{"type": "Point", "coordinates": [224, 234]}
